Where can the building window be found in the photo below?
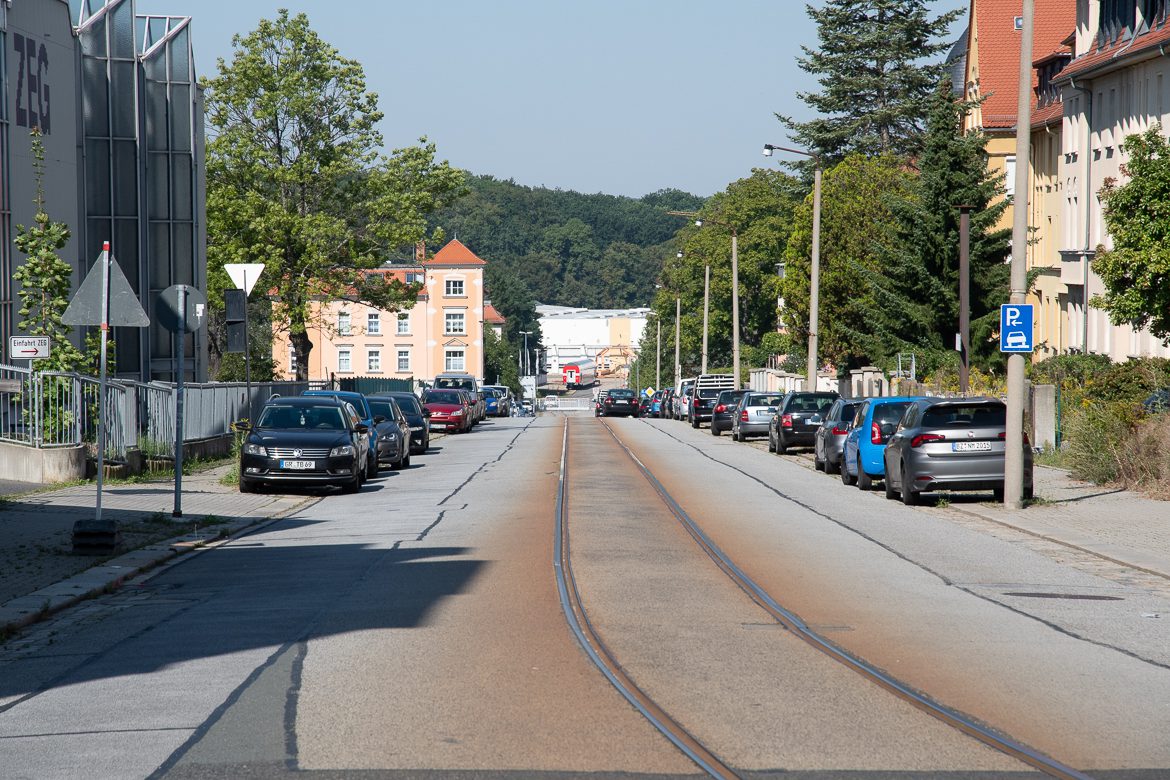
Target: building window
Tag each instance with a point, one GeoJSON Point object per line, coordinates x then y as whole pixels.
{"type": "Point", "coordinates": [453, 360]}
{"type": "Point", "coordinates": [1154, 12]}
{"type": "Point", "coordinates": [403, 323]}
{"type": "Point", "coordinates": [404, 360]}
{"type": "Point", "coordinates": [454, 323]}
{"type": "Point", "coordinates": [373, 323]}
{"type": "Point", "coordinates": [1009, 176]}
{"type": "Point", "coordinates": [374, 360]}
{"type": "Point", "coordinates": [454, 288]}
{"type": "Point", "coordinates": [343, 324]}
{"type": "Point", "coordinates": [344, 364]}
{"type": "Point", "coordinates": [413, 277]}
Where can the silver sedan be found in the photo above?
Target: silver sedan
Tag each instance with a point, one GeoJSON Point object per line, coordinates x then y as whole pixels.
{"type": "Point", "coordinates": [753, 413]}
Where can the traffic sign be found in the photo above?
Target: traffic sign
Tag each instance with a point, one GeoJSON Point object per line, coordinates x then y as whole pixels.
{"type": "Point", "coordinates": [1015, 327]}
{"type": "Point", "coordinates": [28, 347]}
{"type": "Point", "coordinates": [244, 275]}
{"type": "Point", "coordinates": [171, 316]}
{"type": "Point", "coordinates": [116, 305]}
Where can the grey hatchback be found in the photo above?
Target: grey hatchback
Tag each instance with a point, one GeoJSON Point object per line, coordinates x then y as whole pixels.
{"type": "Point", "coordinates": [950, 444]}
{"type": "Point", "coordinates": [830, 437]}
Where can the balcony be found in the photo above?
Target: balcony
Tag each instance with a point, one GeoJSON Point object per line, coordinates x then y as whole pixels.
{"type": "Point", "coordinates": [1072, 265]}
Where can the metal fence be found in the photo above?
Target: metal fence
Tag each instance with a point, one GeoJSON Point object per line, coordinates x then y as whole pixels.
{"type": "Point", "coordinates": [52, 409]}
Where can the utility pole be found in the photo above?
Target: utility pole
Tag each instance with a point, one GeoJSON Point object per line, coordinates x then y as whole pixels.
{"type": "Point", "coordinates": [658, 357]}
{"type": "Point", "coordinates": [964, 299]}
{"type": "Point", "coordinates": [706, 311]}
{"type": "Point", "coordinates": [1013, 476]}
{"type": "Point", "coordinates": [677, 331]}
{"type": "Point", "coordinates": [814, 281]}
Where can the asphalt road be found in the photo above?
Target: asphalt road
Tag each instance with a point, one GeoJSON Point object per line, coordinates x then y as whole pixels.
{"type": "Point", "coordinates": [414, 630]}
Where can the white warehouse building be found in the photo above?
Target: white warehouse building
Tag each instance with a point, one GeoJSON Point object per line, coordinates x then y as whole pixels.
{"type": "Point", "coordinates": [609, 337]}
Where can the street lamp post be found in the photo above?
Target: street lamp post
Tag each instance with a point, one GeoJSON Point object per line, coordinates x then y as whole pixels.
{"type": "Point", "coordinates": [677, 331]}
{"type": "Point", "coordinates": [815, 274]}
{"type": "Point", "coordinates": [734, 285]}
{"type": "Point", "coordinates": [524, 358]}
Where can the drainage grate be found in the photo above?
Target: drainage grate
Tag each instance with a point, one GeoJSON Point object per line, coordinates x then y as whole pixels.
{"type": "Point", "coordinates": [1073, 596]}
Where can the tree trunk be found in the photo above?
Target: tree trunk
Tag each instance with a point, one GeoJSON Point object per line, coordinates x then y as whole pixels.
{"type": "Point", "coordinates": [302, 346]}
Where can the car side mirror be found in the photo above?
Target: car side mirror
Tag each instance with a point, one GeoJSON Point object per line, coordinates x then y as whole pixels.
{"type": "Point", "coordinates": [361, 428]}
{"type": "Point", "coordinates": [242, 425]}
{"type": "Point", "coordinates": [379, 420]}
{"type": "Point", "coordinates": [426, 412]}
{"type": "Point", "coordinates": [815, 419]}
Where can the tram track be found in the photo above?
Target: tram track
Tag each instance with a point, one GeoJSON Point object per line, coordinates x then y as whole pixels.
{"type": "Point", "coordinates": [703, 757]}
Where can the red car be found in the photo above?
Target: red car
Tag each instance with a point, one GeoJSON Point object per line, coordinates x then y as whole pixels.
{"type": "Point", "coordinates": [448, 410]}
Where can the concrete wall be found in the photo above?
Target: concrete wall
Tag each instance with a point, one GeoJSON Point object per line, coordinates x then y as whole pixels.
{"type": "Point", "coordinates": [44, 466]}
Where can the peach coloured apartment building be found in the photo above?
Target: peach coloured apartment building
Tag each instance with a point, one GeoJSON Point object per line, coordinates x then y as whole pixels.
{"type": "Point", "coordinates": [442, 332]}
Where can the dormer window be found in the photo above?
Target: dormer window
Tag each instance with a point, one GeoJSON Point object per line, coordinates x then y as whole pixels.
{"type": "Point", "coordinates": [1154, 12]}
{"type": "Point", "coordinates": [1116, 16]}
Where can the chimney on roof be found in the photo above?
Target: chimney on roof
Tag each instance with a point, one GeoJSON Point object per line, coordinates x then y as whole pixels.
{"type": "Point", "coordinates": [420, 251]}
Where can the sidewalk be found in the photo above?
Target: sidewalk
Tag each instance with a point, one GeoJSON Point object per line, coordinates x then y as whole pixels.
{"type": "Point", "coordinates": [38, 573]}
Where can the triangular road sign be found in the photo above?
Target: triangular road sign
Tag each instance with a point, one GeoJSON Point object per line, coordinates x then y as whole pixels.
{"type": "Point", "coordinates": [244, 275]}
{"type": "Point", "coordinates": [124, 308]}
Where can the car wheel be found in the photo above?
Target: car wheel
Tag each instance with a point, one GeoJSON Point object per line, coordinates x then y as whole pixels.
{"type": "Point", "coordinates": [694, 422]}
{"type": "Point", "coordinates": [832, 467]}
{"type": "Point", "coordinates": [714, 429]}
{"type": "Point", "coordinates": [1029, 492]}
{"type": "Point", "coordinates": [909, 497]}
{"type": "Point", "coordinates": [405, 462]}
{"type": "Point", "coordinates": [248, 486]}
{"type": "Point", "coordinates": [846, 479]}
{"type": "Point", "coordinates": [355, 484]}
{"type": "Point", "coordinates": [891, 494]}
{"type": "Point", "coordinates": [997, 493]}
{"type": "Point", "coordinates": [818, 464]}
{"type": "Point", "coordinates": [371, 465]}
{"type": "Point", "coordinates": [771, 442]}
{"type": "Point", "coordinates": [781, 447]}
{"type": "Point", "coordinates": [864, 482]}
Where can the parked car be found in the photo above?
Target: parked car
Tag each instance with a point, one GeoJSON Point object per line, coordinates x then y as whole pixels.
{"type": "Point", "coordinates": [502, 406]}
{"type": "Point", "coordinates": [753, 413]}
{"type": "Point", "coordinates": [305, 440]}
{"type": "Point", "coordinates": [830, 437]}
{"type": "Point", "coordinates": [449, 410]}
{"type": "Point", "coordinates": [363, 408]}
{"type": "Point", "coordinates": [950, 444]}
{"type": "Point", "coordinates": [599, 402]}
{"type": "Point", "coordinates": [667, 403]}
{"type": "Point", "coordinates": [416, 416]}
{"type": "Point", "coordinates": [456, 381]}
{"type": "Point", "coordinates": [873, 424]}
{"type": "Point", "coordinates": [655, 409]}
{"type": "Point", "coordinates": [706, 389]}
{"type": "Point", "coordinates": [797, 420]}
{"type": "Point", "coordinates": [724, 411]}
{"type": "Point", "coordinates": [682, 399]}
{"type": "Point", "coordinates": [620, 400]}
{"type": "Point", "coordinates": [393, 433]}
{"type": "Point", "coordinates": [644, 404]}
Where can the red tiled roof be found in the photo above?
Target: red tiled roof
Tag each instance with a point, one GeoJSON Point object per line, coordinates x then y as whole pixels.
{"type": "Point", "coordinates": [455, 253]}
{"type": "Point", "coordinates": [492, 315]}
{"type": "Point", "coordinates": [1049, 114]}
{"type": "Point", "coordinates": [1123, 50]}
{"type": "Point", "coordinates": [999, 50]}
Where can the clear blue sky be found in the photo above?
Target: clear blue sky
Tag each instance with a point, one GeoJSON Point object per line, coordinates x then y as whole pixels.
{"type": "Point", "coordinates": [618, 96]}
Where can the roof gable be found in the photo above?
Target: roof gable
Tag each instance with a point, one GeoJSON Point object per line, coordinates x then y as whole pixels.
{"type": "Point", "coordinates": [455, 253]}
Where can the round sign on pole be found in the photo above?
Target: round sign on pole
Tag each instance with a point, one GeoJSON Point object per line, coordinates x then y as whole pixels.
{"type": "Point", "coordinates": [167, 308]}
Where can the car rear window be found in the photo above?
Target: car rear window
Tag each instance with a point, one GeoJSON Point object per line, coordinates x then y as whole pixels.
{"type": "Point", "coordinates": [764, 400]}
{"type": "Point", "coordinates": [621, 393]}
{"type": "Point", "coordinates": [976, 415]}
{"type": "Point", "coordinates": [442, 398]}
{"type": "Point", "coordinates": [889, 413]}
{"type": "Point", "coordinates": [462, 384]}
{"type": "Point", "coordinates": [409, 405]}
{"type": "Point", "coordinates": [383, 408]}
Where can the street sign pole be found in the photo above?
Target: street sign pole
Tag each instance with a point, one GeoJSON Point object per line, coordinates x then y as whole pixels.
{"type": "Point", "coordinates": [104, 327]}
{"type": "Point", "coordinates": [181, 337]}
{"type": "Point", "coordinates": [247, 351]}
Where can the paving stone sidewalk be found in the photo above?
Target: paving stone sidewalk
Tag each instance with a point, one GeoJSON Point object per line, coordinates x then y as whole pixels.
{"type": "Point", "coordinates": [39, 574]}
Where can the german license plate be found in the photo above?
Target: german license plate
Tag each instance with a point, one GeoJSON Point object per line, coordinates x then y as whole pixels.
{"type": "Point", "coordinates": [298, 465]}
{"type": "Point", "coordinates": [971, 446]}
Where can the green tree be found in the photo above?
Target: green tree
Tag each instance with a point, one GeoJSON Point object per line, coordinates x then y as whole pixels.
{"type": "Point", "coordinates": [1136, 271]}
{"type": "Point", "coordinates": [857, 229]}
{"type": "Point", "coordinates": [501, 365]}
{"type": "Point", "coordinates": [916, 285]}
{"type": "Point", "coordinates": [761, 208]}
{"type": "Point", "coordinates": [44, 278]}
{"type": "Point", "coordinates": [296, 181]}
{"type": "Point", "coordinates": [875, 64]}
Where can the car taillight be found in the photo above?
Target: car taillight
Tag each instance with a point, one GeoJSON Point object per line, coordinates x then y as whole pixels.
{"type": "Point", "coordinates": [875, 433]}
{"type": "Point", "coordinates": [608, 401]}
{"type": "Point", "coordinates": [839, 431]}
{"type": "Point", "coordinates": [1003, 435]}
{"type": "Point", "coordinates": [720, 409]}
{"type": "Point", "coordinates": [786, 421]}
{"type": "Point", "coordinates": [695, 403]}
{"type": "Point", "coordinates": [743, 416]}
{"type": "Point", "coordinates": [923, 438]}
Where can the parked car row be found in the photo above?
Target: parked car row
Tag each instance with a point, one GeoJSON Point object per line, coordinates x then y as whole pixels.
{"type": "Point", "coordinates": [342, 438]}
{"type": "Point", "coordinates": [908, 444]}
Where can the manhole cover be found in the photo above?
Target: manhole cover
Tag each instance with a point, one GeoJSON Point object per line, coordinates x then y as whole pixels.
{"type": "Point", "coordinates": [1073, 596]}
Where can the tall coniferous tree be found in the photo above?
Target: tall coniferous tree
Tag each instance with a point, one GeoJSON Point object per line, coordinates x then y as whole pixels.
{"type": "Point", "coordinates": [876, 65]}
{"type": "Point", "coordinates": [916, 291]}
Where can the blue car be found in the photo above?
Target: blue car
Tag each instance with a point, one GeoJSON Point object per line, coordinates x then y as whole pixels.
{"type": "Point", "coordinates": [363, 409]}
{"type": "Point", "coordinates": [862, 455]}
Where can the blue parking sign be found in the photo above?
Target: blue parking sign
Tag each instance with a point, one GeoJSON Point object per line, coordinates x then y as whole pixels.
{"type": "Point", "coordinates": [1015, 327]}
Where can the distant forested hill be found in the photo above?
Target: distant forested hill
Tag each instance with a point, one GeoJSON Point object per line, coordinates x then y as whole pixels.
{"type": "Point", "coordinates": [562, 247]}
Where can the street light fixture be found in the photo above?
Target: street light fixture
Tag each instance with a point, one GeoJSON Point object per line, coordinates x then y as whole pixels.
{"type": "Point", "coordinates": [734, 283]}
{"type": "Point", "coordinates": [815, 276]}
